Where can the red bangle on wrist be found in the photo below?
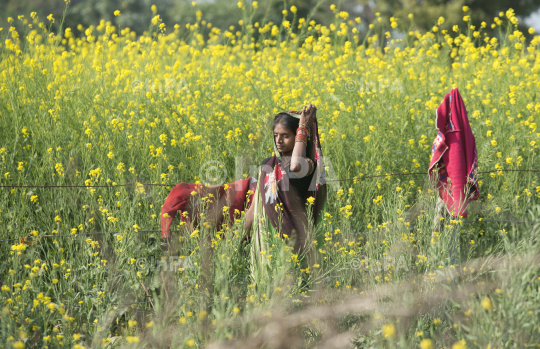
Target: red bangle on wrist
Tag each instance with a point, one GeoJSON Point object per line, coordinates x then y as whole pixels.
{"type": "Point", "coordinates": [301, 138]}
{"type": "Point", "coordinates": [302, 128]}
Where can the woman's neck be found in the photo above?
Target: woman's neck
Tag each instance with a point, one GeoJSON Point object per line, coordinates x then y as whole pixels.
{"type": "Point", "coordinates": [285, 159]}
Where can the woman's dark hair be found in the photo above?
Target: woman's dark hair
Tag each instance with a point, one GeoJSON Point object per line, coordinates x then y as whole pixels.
{"type": "Point", "coordinates": [286, 120]}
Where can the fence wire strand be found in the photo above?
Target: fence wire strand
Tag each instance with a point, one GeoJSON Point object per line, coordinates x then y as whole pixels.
{"type": "Point", "coordinates": [25, 241]}
{"type": "Point", "coordinates": [173, 185]}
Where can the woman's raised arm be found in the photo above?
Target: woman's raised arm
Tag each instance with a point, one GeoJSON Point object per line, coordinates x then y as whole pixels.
{"type": "Point", "coordinates": [299, 164]}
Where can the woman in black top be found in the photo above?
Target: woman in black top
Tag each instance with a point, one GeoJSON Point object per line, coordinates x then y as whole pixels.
{"type": "Point", "coordinates": [287, 179]}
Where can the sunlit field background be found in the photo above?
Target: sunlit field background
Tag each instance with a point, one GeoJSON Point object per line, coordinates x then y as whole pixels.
{"type": "Point", "coordinates": [103, 106]}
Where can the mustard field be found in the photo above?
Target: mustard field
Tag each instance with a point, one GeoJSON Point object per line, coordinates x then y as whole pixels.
{"type": "Point", "coordinates": [95, 108]}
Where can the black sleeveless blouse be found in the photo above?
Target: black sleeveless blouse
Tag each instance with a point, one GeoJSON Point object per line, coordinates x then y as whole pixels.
{"type": "Point", "coordinates": [300, 184]}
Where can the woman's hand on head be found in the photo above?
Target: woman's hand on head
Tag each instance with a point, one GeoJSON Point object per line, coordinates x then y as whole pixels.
{"type": "Point", "coordinates": [309, 115]}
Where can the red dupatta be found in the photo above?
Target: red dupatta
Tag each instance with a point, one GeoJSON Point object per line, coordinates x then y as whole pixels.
{"type": "Point", "coordinates": [454, 153]}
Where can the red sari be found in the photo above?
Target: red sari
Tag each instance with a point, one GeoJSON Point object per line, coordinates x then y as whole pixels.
{"type": "Point", "coordinates": [185, 197]}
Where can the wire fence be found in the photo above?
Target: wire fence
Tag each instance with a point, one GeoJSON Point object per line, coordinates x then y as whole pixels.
{"type": "Point", "coordinates": [173, 185]}
{"type": "Point", "coordinates": [25, 240]}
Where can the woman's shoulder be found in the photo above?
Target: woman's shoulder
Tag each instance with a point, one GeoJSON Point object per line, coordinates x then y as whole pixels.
{"type": "Point", "coordinates": [265, 161]}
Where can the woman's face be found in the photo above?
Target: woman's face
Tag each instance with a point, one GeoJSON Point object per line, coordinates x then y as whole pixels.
{"type": "Point", "coordinates": [284, 138]}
